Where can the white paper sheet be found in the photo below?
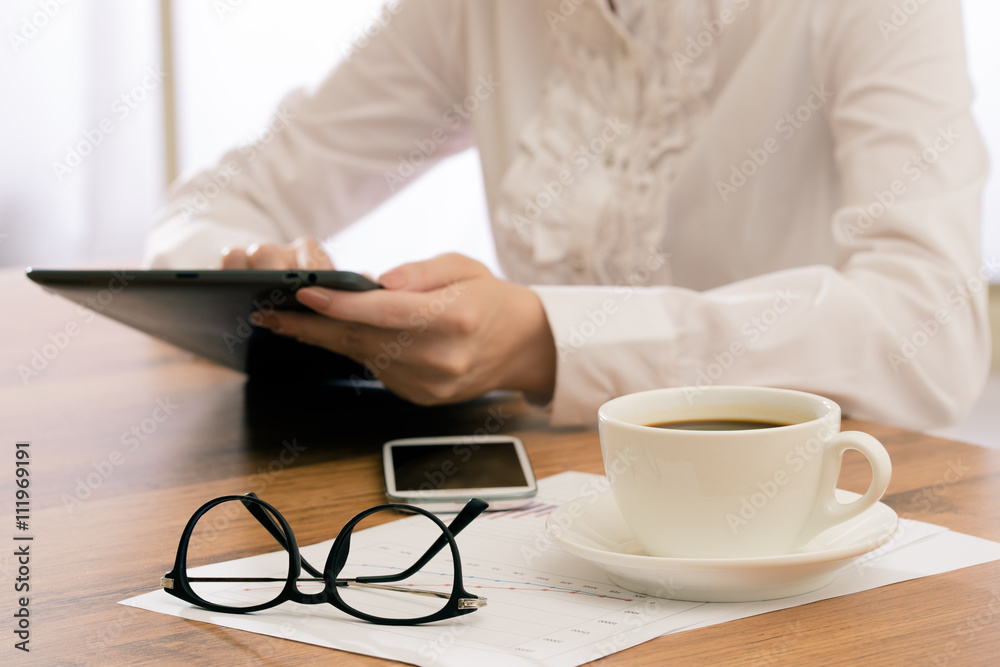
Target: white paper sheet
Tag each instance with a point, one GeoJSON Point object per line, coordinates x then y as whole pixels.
{"type": "Point", "coordinates": [547, 606]}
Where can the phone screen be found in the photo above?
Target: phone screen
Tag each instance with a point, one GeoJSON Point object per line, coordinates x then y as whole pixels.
{"type": "Point", "coordinates": [468, 465]}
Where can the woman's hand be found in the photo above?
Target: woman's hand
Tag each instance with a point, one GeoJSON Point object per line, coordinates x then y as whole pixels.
{"type": "Point", "coordinates": [302, 253]}
{"type": "Point", "coordinates": [442, 330]}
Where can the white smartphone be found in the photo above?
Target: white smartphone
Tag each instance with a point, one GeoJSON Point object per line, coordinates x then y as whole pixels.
{"type": "Point", "coordinates": [443, 473]}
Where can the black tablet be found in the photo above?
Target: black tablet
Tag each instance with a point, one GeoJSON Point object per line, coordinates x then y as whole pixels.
{"type": "Point", "coordinates": [208, 313]}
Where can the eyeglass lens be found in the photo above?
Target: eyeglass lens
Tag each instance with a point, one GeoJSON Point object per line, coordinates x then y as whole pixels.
{"type": "Point", "coordinates": [227, 531]}
{"type": "Point", "coordinates": [386, 555]}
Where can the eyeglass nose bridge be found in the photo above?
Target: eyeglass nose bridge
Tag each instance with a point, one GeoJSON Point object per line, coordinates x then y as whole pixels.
{"type": "Point", "coordinates": [321, 597]}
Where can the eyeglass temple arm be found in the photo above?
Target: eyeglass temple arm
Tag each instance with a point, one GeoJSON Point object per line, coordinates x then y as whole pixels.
{"type": "Point", "coordinates": [166, 582]}
{"type": "Point", "coordinates": [270, 525]}
{"type": "Point", "coordinates": [169, 583]}
{"type": "Point", "coordinates": [472, 509]}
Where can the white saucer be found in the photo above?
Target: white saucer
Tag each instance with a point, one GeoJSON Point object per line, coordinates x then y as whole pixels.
{"type": "Point", "coordinates": [592, 528]}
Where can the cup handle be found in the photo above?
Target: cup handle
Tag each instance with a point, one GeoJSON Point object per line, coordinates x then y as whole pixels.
{"type": "Point", "coordinates": [829, 511]}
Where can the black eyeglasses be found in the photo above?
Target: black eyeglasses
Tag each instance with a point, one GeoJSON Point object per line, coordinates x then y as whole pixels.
{"type": "Point", "coordinates": [389, 583]}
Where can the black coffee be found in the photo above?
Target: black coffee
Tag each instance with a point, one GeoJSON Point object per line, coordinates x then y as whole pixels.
{"type": "Point", "coordinates": [717, 425]}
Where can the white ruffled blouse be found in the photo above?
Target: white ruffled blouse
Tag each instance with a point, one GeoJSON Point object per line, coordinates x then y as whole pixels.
{"type": "Point", "coordinates": [610, 132]}
{"type": "Point", "coordinates": [772, 192]}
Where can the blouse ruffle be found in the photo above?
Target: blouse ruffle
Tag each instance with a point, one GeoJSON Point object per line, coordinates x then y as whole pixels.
{"type": "Point", "coordinates": [586, 194]}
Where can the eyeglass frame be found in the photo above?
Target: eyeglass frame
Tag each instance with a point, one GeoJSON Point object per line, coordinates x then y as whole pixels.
{"type": "Point", "coordinates": [460, 601]}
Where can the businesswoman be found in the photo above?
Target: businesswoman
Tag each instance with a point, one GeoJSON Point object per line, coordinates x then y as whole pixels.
{"type": "Point", "coordinates": [682, 193]}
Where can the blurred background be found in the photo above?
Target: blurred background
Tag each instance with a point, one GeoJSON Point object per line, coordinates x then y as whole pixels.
{"type": "Point", "coordinates": [72, 192]}
{"type": "Point", "coordinates": [106, 102]}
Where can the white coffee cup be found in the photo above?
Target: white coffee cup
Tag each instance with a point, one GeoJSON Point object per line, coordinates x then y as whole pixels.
{"type": "Point", "coordinates": [731, 493]}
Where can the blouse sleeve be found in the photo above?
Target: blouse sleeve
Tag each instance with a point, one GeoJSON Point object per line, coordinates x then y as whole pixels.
{"type": "Point", "coordinates": [896, 330]}
{"type": "Point", "coordinates": [385, 115]}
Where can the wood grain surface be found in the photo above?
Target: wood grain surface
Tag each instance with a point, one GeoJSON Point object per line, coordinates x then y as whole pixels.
{"type": "Point", "coordinates": [111, 489]}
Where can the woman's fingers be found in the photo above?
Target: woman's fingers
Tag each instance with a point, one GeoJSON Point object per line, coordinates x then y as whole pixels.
{"type": "Point", "coordinates": [421, 367]}
{"type": "Point", "coordinates": [467, 334]}
{"type": "Point", "coordinates": [432, 273]}
{"type": "Point", "coordinates": [270, 256]}
{"type": "Point", "coordinates": [309, 254]}
{"type": "Point", "coordinates": [235, 258]}
{"type": "Point", "coordinates": [387, 309]}
{"type": "Point", "coordinates": [302, 253]}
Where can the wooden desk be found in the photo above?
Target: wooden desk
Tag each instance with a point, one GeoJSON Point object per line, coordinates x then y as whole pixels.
{"type": "Point", "coordinates": [106, 525]}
